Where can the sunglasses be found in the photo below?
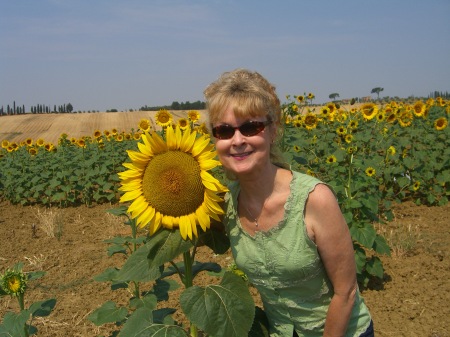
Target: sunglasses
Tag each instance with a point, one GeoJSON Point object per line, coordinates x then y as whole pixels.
{"type": "Point", "coordinates": [247, 129]}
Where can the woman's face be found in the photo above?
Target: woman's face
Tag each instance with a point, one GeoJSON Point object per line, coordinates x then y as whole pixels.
{"type": "Point", "coordinates": [243, 155]}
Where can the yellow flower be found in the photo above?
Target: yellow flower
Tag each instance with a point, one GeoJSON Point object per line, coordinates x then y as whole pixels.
{"type": "Point", "coordinates": [381, 116]}
{"type": "Point", "coordinates": [40, 142]}
{"type": "Point", "coordinates": [310, 121]}
{"type": "Point", "coordinates": [331, 159]}
{"type": "Point", "coordinates": [29, 142]}
{"type": "Point", "coordinates": [419, 108]}
{"type": "Point", "coordinates": [311, 96]}
{"type": "Point", "coordinates": [370, 171]}
{"type": "Point", "coordinates": [14, 282]}
{"type": "Point", "coordinates": [5, 144]}
{"type": "Point", "coordinates": [183, 123]}
{"type": "Point", "coordinates": [405, 119]}
{"type": "Point", "coordinates": [341, 131]}
{"type": "Point", "coordinates": [440, 123]}
{"type": "Point", "coordinates": [81, 143]}
{"type": "Point", "coordinates": [49, 147]}
{"type": "Point", "coordinates": [33, 151]}
{"type": "Point", "coordinates": [137, 136]}
{"type": "Point", "coordinates": [297, 148]}
{"type": "Point", "coordinates": [369, 110]}
{"type": "Point", "coordinates": [416, 185]}
{"type": "Point", "coordinates": [114, 131]}
{"type": "Point", "coordinates": [97, 134]}
{"type": "Point", "coordinates": [144, 124]}
{"type": "Point", "coordinates": [391, 150]}
{"type": "Point", "coordinates": [193, 115]}
{"type": "Point", "coordinates": [119, 138]}
{"type": "Point", "coordinates": [297, 123]}
{"type": "Point", "coordinates": [163, 118]}
{"type": "Point", "coordinates": [348, 138]}
{"type": "Point", "coordinates": [353, 124]}
{"type": "Point", "coordinates": [300, 98]}
{"type": "Point", "coordinates": [169, 184]}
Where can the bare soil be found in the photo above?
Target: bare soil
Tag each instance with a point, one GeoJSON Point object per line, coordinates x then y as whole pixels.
{"type": "Point", "coordinates": [412, 300]}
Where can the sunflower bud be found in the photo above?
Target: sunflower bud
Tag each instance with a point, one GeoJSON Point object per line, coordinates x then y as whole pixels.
{"type": "Point", "coordinates": [14, 282]}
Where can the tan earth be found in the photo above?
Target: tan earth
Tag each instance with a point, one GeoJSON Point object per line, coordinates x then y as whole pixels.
{"type": "Point", "coordinates": [412, 300]}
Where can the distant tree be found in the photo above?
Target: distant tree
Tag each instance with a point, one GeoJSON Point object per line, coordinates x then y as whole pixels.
{"type": "Point", "coordinates": [69, 108]}
{"type": "Point", "coordinates": [377, 91]}
{"type": "Point", "coordinates": [333, 96]}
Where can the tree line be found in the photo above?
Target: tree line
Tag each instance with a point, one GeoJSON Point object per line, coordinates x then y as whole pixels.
{"type": "Point", "coordinates": [35, 109]}
{"type": "Point", "coordinates": [198, 105]}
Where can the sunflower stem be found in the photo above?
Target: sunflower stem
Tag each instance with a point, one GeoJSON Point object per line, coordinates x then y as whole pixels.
{"type": "Point", "coordinates": [188, 282]}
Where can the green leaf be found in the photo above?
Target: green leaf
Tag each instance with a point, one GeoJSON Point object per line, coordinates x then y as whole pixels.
{"type": "Point", "coordinates": [360, 259]}
{"type": "Point", "coordinates": [381, 246]}
{"type": "Point", "coordinates": [260, 327]}
{"type": "Point", "coordinates": [108, 313]}
{"type": "Point", "coordinates": [42, 308]}
{"type": "Point", "coordinates": [115, 249]}
{"type": "Point", "coordinates": [165, 246]}
{"type": "Point", "coordinates": [149, 302]}
{"type": "Point", "coordinates": [364, 233]}
{"type": "Point", "coordinates": [137, 267]}
{"type": "Point", "coordinates": [216, 239]}
{"type": "Point", "coordinates": [141, 324]}
{"type": "Point", "coordinates": [14, 324]}
{"type": "Point", "coordinates": [375, 267]}
{"type": "Point", "coordinates": [108, 275]}
{"type": "Point", "coordinates": [34, 275]}
{"type": "Point", "coordinates": [226, 309]}
{"type": "Point", "coordinates": [121, 210]}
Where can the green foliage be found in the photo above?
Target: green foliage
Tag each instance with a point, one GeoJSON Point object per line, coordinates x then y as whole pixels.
{"type": "Point", "coordinates": [226, 309]}
{"type": "Point", "coordinates": [371, 164]}
{"type": "Point", "coordinates": [13, 282]}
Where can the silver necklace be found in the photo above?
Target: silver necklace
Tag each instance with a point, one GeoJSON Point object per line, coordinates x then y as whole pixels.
{"type": "Point", "coordinates": [255, 220]}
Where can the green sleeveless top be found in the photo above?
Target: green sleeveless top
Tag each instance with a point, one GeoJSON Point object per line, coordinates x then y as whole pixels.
{"type": "Point", "coordinates": [284, 265]}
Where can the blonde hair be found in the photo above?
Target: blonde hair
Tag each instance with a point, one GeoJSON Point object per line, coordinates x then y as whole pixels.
{"type": "Point", "coordinates": [248, 94]}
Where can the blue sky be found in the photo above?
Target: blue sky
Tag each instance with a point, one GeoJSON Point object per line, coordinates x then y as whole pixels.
{"type": "Point", "coordinates": [103, 54]}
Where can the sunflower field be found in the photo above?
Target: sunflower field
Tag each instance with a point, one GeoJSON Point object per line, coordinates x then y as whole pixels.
{"type": "Point", "coordinates": [372, 155]}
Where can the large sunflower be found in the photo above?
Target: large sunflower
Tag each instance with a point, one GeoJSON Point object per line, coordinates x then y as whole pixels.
{"type": "Point", "coordinates": [169, 184]}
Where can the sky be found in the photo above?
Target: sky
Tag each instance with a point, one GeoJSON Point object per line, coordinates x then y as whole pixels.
{"type": "Point", "coordinates": [125, 54]}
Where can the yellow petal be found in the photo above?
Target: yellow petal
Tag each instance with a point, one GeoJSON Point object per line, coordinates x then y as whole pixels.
{"type": "Point", "coordinates": [146, 216]}
{"type": "Point", "coordinates": [157, 143]}
{"type": "Point", "coordinates": [203, 218]}
{"type": "Point", "coordinates": [130, 185]}
{"type": "Point", "coordinates": [129, 174]}
{"type": "Point", "coordinates": [130, 195]}
{"type": "Point", "coordinates": [155, 223]}
{"type": "Point", "coordinates": [193, 220]}
{"type": "Point", "coordinates": [145, 149]}
{"type": "Point", "coordinates": [188, 141]}
{"type": "Point", "coordinates": [138, 206]}
{"type": "Point", "coordinates": [200, 145]}
{"type": "Point", "coordinates": [184, 224]}
{"type": "Point", "coordinates": [138, 157]}
{"type": "Point", "coordinates": [208, 164]}
{"type": "Point", "coordinates": [171, 139]}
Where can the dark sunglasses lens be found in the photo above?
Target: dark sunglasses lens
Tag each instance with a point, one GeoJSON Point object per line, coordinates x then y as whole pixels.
{"type": "Point", "coordinates": [223, 132]}
{"type": "Point", "coordinates": [251, 128]}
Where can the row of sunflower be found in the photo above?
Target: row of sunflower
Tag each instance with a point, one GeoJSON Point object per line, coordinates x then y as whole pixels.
{"type": "Point", "coordinates": [372, 155]}
{"type": "Point", "coordinates": [75, 170]}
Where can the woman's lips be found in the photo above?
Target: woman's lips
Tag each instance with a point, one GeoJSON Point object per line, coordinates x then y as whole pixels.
{"type": "Point", "coordinates": [240, 156]}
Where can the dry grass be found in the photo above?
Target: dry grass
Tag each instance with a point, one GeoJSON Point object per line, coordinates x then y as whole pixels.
{"type": "Point", "coordinates": [51, 222]}
{"type": "Point", "coordinates": [402, 239]}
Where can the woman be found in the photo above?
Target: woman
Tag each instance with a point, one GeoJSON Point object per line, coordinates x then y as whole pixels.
{"type": "Point", "coordinates": [286, 230]}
